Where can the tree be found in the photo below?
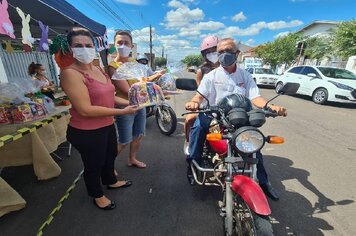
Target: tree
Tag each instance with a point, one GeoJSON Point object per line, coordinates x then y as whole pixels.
{"type": "Point", "coordinates": [193, 60]}
{"type": "Point", "coordinates": [280, 51]}
{"type": "Point", "coordinates": [160, 61]}
{"type": "Point", "coordinates": [319, 47]}
{"type": "Point", "coordinates": [345, 39]}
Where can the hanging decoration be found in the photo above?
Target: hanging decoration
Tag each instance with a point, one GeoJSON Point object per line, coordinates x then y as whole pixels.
{"type": "Point", "coordinates": [105, 40]}
{"type": "Point", "coordinates": [43, 44]}
{"type": "Point", "coordinates": [99, 42]}
{"type": "Point", "coordinates": [60, 48]}
{"type": "Point", "coordinates": [25, 32]}
{"type": "Point", "coordinates": [8, 46]}
{"type": "Point", "coordinates": [6, 26]}
{"type": "Point", "coordinates": [112, 49]}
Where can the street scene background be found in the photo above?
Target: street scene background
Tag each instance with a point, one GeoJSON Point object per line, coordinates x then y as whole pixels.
{"type": "Point", "coordinates": [313, 171]}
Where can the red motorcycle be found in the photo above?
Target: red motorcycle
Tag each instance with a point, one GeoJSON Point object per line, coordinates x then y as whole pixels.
{"type": "Point", "coordinates": [229, 160]}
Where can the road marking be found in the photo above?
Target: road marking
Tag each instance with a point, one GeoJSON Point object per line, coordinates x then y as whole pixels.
{"type": "Point", "coordinates": [59, 205]}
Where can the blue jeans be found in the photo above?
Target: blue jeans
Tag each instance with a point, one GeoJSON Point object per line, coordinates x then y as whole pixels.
{"type": "Point", "coordinates": [130, 127]}
{"type": "Point", "coordinates": [196, 143]}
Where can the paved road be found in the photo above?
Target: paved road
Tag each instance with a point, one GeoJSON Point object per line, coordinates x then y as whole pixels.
{"type": "Point", "coordinates": [313, 172]}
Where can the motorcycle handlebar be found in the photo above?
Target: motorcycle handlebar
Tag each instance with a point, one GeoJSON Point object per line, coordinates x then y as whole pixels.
{"type": "Point", "coordinates": [203, 110]}
{"type": "Point", "coordinates": [270, 113]}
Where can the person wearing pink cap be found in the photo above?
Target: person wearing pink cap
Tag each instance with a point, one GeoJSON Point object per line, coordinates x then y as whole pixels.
{"type": "Point", "coordinates": [208, 51]}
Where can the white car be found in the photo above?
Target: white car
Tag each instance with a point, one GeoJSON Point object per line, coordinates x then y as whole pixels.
{"type": "Point", "coordinates": [323, 84]}
{"type": "Point", "coordinates": [263, 76]}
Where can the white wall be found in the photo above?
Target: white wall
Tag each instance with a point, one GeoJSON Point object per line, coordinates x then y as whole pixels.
{"type": "Point", "coordinates": [3, 77]}
{"type": "Point", "coordinates": [351, 64]}
{"type": "Point", "coordinates": [319, 29]}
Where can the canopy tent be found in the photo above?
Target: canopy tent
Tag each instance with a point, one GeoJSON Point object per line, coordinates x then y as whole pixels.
{"type": "Point", "coordinates": [59, 15]}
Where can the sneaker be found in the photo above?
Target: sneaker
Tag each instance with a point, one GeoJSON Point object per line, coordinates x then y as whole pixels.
{"type": "Point", "coordinates": [186, 148]}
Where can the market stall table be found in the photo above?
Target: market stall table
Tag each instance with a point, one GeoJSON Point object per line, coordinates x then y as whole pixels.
{"type": "Point", "coordinates": [31, 143]}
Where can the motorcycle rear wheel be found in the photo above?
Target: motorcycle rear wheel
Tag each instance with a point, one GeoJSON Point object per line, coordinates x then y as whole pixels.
{"type": "Point", "coordinates": [246, 222]}
{"type": "Point", "coordinates": [166, 120]}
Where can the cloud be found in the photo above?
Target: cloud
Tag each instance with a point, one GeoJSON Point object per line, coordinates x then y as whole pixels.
{"type": "Point", "coordinates": [239, 17]}
{"type": "Point", "coordinates": [176, 4]}
{"type": "Point", "coordinates": [182, 17]}
{"type": "Point", "coordinates": [281, 34]}
{"type": "Point", "coordinates": [256, 28]}
{"type": "Point", "coordinates": [249, 42]}
{"type": "Point", "coordinates": [111, 33]}
{"type": "Point", "coordinates": [133, 2]}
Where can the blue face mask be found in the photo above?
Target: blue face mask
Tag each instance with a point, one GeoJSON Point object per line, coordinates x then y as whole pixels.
{"type": "Point", "coordinates": [227, 59]}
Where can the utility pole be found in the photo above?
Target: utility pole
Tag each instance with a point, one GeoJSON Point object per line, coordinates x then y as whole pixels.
{"type": "Point", "coordinates": [162, 52]}
{"type": "Point", "coordinates": [150, 46]}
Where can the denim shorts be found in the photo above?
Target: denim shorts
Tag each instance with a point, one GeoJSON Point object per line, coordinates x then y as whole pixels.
{"type": "Point", "coordinates": [130, 127]}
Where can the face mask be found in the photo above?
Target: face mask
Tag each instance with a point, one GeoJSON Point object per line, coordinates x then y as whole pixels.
{"type": "Point", "coordinates": [123, 50]}
{"type": "Point", "coordinates": [227, 59]}
{"type": "Point", "coordinates": [84, 55]}
{"type": "Point", "coordinates": [212, 57]}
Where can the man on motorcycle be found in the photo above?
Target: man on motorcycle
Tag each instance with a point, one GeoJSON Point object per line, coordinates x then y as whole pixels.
{"type": "Point", "coordinates": [227, 79]}
{"type": "Point", "coordinates": [151, 75]}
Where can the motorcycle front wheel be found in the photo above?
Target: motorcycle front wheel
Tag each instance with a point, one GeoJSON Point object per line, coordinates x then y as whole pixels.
{"type": "Point", "coordinates": [166, 119]}
{"type": "Point", "coordinates": [246, 222]}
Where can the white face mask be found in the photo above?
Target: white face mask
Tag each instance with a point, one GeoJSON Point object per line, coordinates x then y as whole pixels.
{"type": "Point", "coordinates": [123, 50]}
{"type": "Point", "coordinates": [84, 55]}
{"type": "Point", "coordinates": [213, 57]}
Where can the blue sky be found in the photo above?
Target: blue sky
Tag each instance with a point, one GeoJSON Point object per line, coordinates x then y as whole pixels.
{"type": "Point", "coordinates": [180, 25]}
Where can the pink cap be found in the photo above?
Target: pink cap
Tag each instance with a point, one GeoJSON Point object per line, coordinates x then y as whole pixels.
{"type": "Point", "coordinates": [209, 42]}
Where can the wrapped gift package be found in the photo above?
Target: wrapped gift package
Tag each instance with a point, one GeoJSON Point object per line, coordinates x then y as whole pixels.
{"type": "Point", "coordinates": [145, 94]}
{"type": "Point", "coordinates": [167, 82]}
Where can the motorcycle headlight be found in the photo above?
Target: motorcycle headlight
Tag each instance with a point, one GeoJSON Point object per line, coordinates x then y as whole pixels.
{"type": "Point", "coordinates": [248, 140]}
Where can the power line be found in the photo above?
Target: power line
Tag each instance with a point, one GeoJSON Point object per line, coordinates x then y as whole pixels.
{"type": "Point", "coordinates": [104, 7]}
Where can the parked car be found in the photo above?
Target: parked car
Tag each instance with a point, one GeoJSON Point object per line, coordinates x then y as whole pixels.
{"type": "Point", "coordinates": [193, 69]}
{"type": "Point", "coordinates": [263, 76]}
{"type": "Point", "coordinates": [323, 84]}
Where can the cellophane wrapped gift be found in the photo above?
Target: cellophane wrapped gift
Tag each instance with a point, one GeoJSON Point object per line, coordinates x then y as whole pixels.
{"type": "Point", "coordinates": [145, 94]}
{"type": "Point", "coordinates": [167, 81]}
{"type": "Point", "coordinates": [21, 113]}
{"type": "Point", "coordinates": [5, 117]}
{"type": "Point", "coordinates": [130, 71]}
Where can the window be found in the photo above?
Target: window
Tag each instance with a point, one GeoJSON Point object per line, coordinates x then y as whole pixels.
{"type": "Point", "coordinates": [250, 70]}
{"type": "Point", "coordinates": [307, 70]}
{"type": "Point", "coordinates": [296, 70]}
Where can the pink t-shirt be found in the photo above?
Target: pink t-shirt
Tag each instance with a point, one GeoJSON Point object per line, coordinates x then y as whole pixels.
{"type": "Point", "coordinates": [101, 94]}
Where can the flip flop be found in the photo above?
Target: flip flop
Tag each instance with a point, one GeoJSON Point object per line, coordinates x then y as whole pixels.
{"type": "Point", "coordinates": [138, 165]}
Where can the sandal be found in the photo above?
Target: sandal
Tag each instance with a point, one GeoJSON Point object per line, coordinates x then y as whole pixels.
{"type": "Point", "coordinates": [137, 164]}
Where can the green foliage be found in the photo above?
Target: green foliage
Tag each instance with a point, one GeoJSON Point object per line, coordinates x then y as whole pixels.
{"type": "Point", "coordinates": [160, 61]}
{"type": "Point", "coordinates": [59, 43]}
{"type": "Point", "coordinates": [319, 47]}
{"type": "Point", "coordinates": [280, 51]}
{"type": "Point", "coordinates": [193, 60]}
{"type": "Point", "coordinates": [345, 39]}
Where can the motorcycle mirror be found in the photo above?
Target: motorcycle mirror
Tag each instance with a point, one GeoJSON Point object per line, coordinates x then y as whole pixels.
{"type": "Point", "coordinates": [289, 89]}
{"type": "Point", "coordinates": [186, 84]}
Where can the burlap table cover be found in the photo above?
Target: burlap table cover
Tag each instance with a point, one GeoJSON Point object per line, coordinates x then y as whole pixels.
{"type": "Point", "coordinates": [35, 149]}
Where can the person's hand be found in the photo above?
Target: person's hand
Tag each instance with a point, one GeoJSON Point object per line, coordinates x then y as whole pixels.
{"type": "Point", "coordinates": [281, 111]}
{"type": "Point", "coordinates": [129, 110]}
{"type": "Point", "coordinates": [162, 72]}
{"type": "Point", "coordinates": [192, 106]}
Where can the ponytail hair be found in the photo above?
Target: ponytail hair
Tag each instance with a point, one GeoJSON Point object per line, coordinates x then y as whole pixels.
{"type": "Point", "coordinates": [33, 67]}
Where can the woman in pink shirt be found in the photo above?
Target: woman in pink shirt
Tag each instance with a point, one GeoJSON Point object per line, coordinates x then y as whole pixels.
{"type": "Point", "coordinates": [91, 128]}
